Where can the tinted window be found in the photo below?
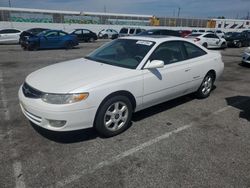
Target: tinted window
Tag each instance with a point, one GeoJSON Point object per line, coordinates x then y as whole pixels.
{"type": "Point", "coordinates": [138, 31]}
{"type": "Point", "coordinates": [169, 52]}
{"type": "Point", "coordinates": [193, 51]}
{"type": "Point", "coordinates": [210, 36]}
{"type": "Point", "coordinates": [5, 31]}
{"type": "Point", "coordinates": [51, 34]}
{"type": "Point", "coordinates": [78, 32]}
{"type": "Point", "coordinates": [124, 30]}
{"type": "Point", "coordinates": [131, 31]}
{"type": "Point", "coordinates": [62, 33]}
{"type": "Point", "coordinates": [85, 31]}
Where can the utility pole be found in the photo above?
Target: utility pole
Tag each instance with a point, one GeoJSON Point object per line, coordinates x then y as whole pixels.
{"type": "Point", "coordinates": [105, 9]}
{"type": "Point", "coordinates": [9, 4]}
{"type": "Point", "coordinates": [179, 10]}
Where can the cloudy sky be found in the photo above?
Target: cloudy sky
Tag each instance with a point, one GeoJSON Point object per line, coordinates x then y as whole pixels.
{"type": "Point", "coordinates": [188, 8]}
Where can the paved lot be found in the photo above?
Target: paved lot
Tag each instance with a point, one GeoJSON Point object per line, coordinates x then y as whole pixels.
{"type": "Point", "coordinates": [182, 143]}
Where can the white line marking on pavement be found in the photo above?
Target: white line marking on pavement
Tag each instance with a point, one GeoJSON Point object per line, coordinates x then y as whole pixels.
{"type": "Point", "coordinates": [140, 147]}
{"type": "Point", "coordinates": [123, 155]}
{"type": "Point", "coordinates": [17, 165]}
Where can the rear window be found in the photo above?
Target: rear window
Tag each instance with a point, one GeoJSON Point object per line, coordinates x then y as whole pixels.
{"type": "Point", "coordinates": [193, 51]}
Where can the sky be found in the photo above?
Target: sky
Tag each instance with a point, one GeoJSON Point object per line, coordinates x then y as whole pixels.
{"type": "Point", "coordinates": [162, 8]}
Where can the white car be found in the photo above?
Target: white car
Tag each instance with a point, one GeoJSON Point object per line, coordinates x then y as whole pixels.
{"type": "Point", "coordinates": [246, 56]}
{"type": "Point", "coordinates": [126, 75]}
{"type": "Point", "coordinates": [107, 33]}
{"type": "Point", "coordinates": [9, 36]}
{"type": "Point", "coordinates": [208, 40]}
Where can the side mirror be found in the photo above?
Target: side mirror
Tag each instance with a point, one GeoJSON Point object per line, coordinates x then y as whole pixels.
{"type": "Point", "coordinates": [154, 64]}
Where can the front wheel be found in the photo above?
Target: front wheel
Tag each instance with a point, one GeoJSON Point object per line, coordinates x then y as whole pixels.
{"type": "Point", "coordinates": [69, 45]}
{"type": "Point", "coordinates": [114, 116]}
{"type": "Point", "coordinates": [239, 44]}
{"type": "Point", "coordinates": [206, 86]}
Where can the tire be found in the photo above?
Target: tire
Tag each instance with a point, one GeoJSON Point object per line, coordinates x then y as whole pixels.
{"type": "Point", "coordinates": [204, 45]}
{"type": "Point", "coordinates": [239, 44]}
{"type": "Point", "coordinates": [91, 39]}
{"type": "Point", "coordinates": [105, 36]}
{"type": "Point", "coordinates": [223, 45]}
{"type": "Point", "coordinates": [32, 47]}
{"type": "Point", "coordinates": [113, 116]}
{"type": "Point", "coordinates": [68, 45]}
{"type": "Point", "coordinates": [206, 86]}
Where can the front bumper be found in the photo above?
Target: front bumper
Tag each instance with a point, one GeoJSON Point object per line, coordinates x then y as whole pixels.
{"type": "Point", "coordinates": [246, 57]}
{"type": "Point", "coordinates": [41, 114]}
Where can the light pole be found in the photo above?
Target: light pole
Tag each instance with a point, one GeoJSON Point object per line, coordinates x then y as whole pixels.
{"type": "Point", "coordinates": [9, 4]}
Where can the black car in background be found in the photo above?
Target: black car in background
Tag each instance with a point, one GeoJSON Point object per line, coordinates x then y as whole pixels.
{"type": "Point", "coordinates": [30, 33]}
{"type": "Point", "coordinates": [238, 39]}
{"type": "Point", "coordinates": [166, 32]}
{"type": "Point", "coordinates": [85, 35]}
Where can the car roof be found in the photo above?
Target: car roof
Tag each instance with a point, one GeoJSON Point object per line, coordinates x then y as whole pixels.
{"type": "Point", "coordinates": [154, 38]}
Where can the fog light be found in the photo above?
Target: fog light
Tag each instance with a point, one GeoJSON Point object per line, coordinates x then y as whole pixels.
{"type": "Point", "coordinates": [57, 123]}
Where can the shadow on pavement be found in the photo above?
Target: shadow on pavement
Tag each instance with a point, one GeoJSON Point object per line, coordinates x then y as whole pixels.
{"type": "Point", "coordinates": [67, 137]}
{"type": "Point", "coordinates": [161, 107]}
{"type": "Point", "coordinates": [244, 106]}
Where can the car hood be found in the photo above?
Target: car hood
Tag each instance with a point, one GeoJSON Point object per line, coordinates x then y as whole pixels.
{"type": "Point", "coordinates": [71, 75]}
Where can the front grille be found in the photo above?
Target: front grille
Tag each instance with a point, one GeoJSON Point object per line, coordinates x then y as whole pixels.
{"type": "Point", "coordinates": [30, 92]}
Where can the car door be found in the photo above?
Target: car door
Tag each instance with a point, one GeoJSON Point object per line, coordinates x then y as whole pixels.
{"type": "Point", "coordinates": [196, 59]}
{"type": "Point", "coordinates": [79, 34]}
{"type": "Point", "coordinates": [13, 35]}
{"type": "Point", "coordinates": [210, 42]}
{"type": "Point", "coordinates": [86, 35]}
{"type": "Point", "coordinates": [216, 41]}
{"type": "Point", "coordinates": [170, 81]}
{"type": "Point", "coordinates": [49, 40]}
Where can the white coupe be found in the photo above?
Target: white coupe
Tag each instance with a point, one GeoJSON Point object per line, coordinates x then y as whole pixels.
{"type": "Point", "coordinates": [126, 75]}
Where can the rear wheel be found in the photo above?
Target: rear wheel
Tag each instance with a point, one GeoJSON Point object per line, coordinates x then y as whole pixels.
{"type": "Point", "coordinates": [204, 44]}
{"type": "Point", "coordinates": [223, 45]}
{"type": "Point", "coordinates": [206, 86]}
{"type": "Point", "coordinates": [114, 116]}
{"type": "Point", "coordinates": [91, 39]}
{"type": "Point", "coordinates": [69, 45]}
{"type": "Point", "coordinates": [105, 36]}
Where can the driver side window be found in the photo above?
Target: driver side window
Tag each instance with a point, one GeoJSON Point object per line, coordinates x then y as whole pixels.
{"type": "Point", "coordinates": [169, 52]}
{"type": "Point", "coordinates": [51, 34]}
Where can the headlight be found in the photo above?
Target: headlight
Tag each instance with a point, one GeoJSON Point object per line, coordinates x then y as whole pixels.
{"type": "Point", "coordinates": [64, 98]}
{"type": "Point", "coordinates": [247, 50]}
{"type": "Point", "coordinates": [236, 40]}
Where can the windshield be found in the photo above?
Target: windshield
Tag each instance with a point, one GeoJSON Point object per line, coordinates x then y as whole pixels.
{"type": "Point", "coordinates": [127, 53]}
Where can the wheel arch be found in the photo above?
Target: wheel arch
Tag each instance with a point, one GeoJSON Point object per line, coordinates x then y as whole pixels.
{"type": "Point", "coordinates": [213, 72]}
{"type": "Point", "coordinates": [116, 93]}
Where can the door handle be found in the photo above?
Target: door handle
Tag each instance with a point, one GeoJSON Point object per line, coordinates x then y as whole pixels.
{"type": "Point", "coordinates": [186, 70]}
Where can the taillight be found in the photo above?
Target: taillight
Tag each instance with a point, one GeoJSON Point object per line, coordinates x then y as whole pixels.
{"type": "Point", "coordinates": [196, 39]}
